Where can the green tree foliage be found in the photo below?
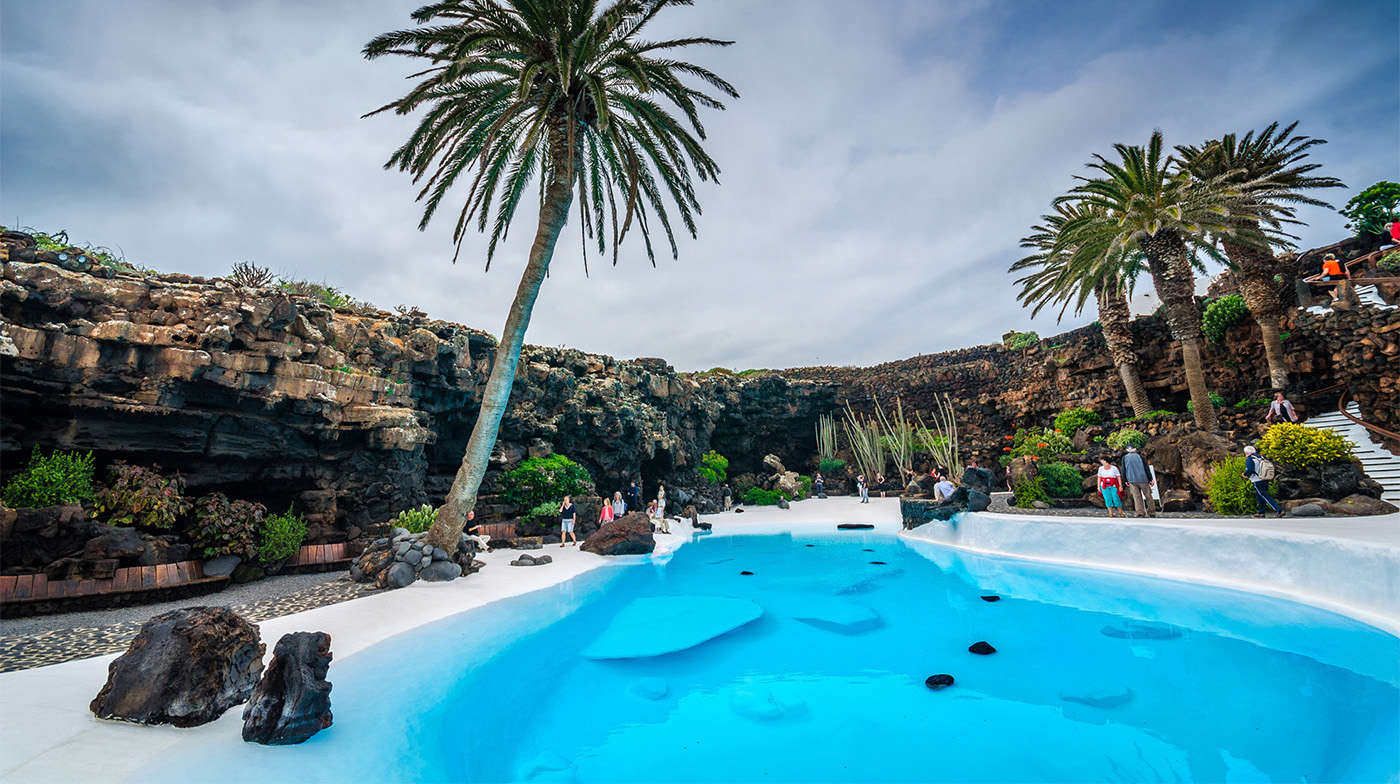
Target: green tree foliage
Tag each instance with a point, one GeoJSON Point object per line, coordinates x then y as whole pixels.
{"type": "Point", "coordinates": [713, 467]}
{"type": "Point", "coordinates": [1075, 419]}
{"type": "Point", "coordinates": [281, 536]}
{"type": "Point", "coordinates": [1373, 208]}
{"type": "Point", "coordinates": [1301, 446]}
{"type": "Point", "coordinates": [539, 480]}
{"type": "Point", "coordinates": [1230, 492]}
{"type": "Point", "coordinates": [59, 478]}
{"type": "Point", "coordinates": [1062, 480]}
{"type": "Point", "coordinates": [141, 497]}
{"type": "Point", "coordinates": [1222, 314]}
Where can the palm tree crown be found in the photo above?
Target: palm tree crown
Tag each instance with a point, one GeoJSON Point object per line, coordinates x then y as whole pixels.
{"type": "Point", "coordinates": [516, 88]}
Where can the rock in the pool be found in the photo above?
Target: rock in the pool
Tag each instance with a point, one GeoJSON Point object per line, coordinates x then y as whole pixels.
{"type": "Point", "coordinates": [982, 648]}
{"type": "Point", "coordinates": [841, 617]}
{"type": "Point", "coordinates": [665, 624]}
{"type": "Point", "coordinates": [854, 526]}
{"type": "Point", "coordinates": [292, 702]}
{"type": "Point", "coordinates": [1099, 697]}
{"type": "Point", "coordinates": [938, 682]}
{"type": "Point", "coordinates": [649, 688]}
{"type": "Point", "coordinates": [1142, 630]}
{"type": "Point", "coordinates": [185, 667]}
{"type": "Point", "coordinates": [991, 598]}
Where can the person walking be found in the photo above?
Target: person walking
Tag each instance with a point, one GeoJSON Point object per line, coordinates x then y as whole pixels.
{"type": "Point", "coordinates": [1139, 481]}
{"type": "Point", "coordinates": [1260, 472]}
{"type": "Point", "coordinates": [864, 489]}
{"type": "Point", "coordinates": [566, 521]}
{"type": "Point", "coordinates": [727, 496]}
{"type": "Point", "coordinates": [1110, 479]}
{"type": "Point", "coordinates": [619, 506]}
{"type": "Point", "coordinates": [1281, 408]}
{"type": "Point", "coordinates": [634, 496]}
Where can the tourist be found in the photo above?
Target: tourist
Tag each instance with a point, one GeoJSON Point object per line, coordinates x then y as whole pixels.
{"type": "Point", "coordinates": [652, 514]}
{"type": "Point", "coordinates": [818, 485]}
{"type": "Point", "coordinates": [471, 515]}
{"type": "Point", "coordinates": [944, 489]}
{"type": "Point", "coordinates": [864, 490]}
{"type": "Point", "coordinates": [661, 499]}
{"type": "Point", "coordinates": [913, 488]}
{"type": "Point", "coordinates": [619, 506]}
{"type": "Point", "coordinates": [605, 515]}
{"type": "Point", "coordinates": [663, 524]}
{"type": "Point", "coordinates": [1280, 407]}
{"type": "Point", "coordinates": [1109, 481]}
{"type": "Point", "coordinates": [727, 496]}
{"type": "Point", "coordinates": [1333, 270]}
{"type": "Point", "coordinates": [634, 496]}
{"type": "Point", "coordinates": [566, 521]}
{"type": "Point", "coordinates": [1139, 482]}
{"type": "Point", "coordinates": [1253, 471]}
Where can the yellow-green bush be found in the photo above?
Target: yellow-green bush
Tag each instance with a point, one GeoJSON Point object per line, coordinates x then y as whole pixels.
{"type": "Point", "coordinates": [1301, 446]}
{"type": "Point", "coordinates": [1229, 491]}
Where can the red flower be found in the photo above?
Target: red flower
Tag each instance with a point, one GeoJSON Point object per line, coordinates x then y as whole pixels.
{"type": "Point", "coordinates": [1008, 438]}
{"type": "Point", "coordinates": [1006, 449]}
{"type": "Point", "coordinates": [1057, 430]}
{"type": "Point", "coordinates": [1042, 443]}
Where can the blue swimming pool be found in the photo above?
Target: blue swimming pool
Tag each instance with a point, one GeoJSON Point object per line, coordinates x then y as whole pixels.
{"type": "Point", "coordinates": [1097, 677]}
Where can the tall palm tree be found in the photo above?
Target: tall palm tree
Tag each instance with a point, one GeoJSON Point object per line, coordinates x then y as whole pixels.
{"type": "Point", "coordinates": [1146, 200]}
{"type": "Point", "coordinates": [565, 91]}
{"type": "Point", "coordinates": [1266, 167]}
{"type": "Point", "coordinates": [1057, 279]}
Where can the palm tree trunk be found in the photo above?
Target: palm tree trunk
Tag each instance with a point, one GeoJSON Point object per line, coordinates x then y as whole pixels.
{"type": "Point", "coordinates": [461, 498]}
{"type": "Point", "coordinates": [1175, 282]}
{"type": "Point", "coordinates": [1254, 269]}
{"type": "Point", "coordinates": [1115, 321]}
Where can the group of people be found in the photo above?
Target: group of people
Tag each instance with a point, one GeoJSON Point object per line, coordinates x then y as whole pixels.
{"type": "Point", "coordinates": [612, 510]}
{"type": "Point", "coordinates": [1134, 480]}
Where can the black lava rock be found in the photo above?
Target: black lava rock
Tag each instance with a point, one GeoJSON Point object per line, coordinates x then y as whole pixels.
{"type": "Point", "coordinates": [748, 573]}
{"type": "Point", "coordinates": [292, 702]}
{"type": "Point", "coordinates": [991, 598]}
{"type": "Point", "coordinates": [982, 648]}
{"type": "Point", "coordinates": [939, 682]}
{"type": "Point", "coordinates": [855, 526]}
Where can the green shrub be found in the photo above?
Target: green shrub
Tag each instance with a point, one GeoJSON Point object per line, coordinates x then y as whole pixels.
{"type": "Point", "coordinates": [806, 482]}
{"type": "Point", "coordinates": [1373, 208]}
{"type": "Point", "coordinates": [59, 241]}
{"type": "Point", "coordinates": [1228, 490]}
{"type": "Point", "coordinates": [1075, 419]}
{"type": "Point", "coordinates": [713, 466]}
{"type": "Point", "coordinates": [1027, 490]}
{"type": "Point", "coordinates": [742, 483]}
{"type": "Point", "coordinates": [1040, 442]}
{"type": "Point", "coordinates": [1390, 262]}
{"type": "Point", "coordinates": [547, 512]}
{"type": "Point", "coordinates": [1222, 314]}
{"type": "Point", "coordinates": [281, 537]}
{"type": "Point", "coordinates": [1216, 401]}
{"type": "Point", "coordinates": [1247, 402]}
{"type": "Point", "coordinates": [1301, 446]}
{"type": "Point", "coordinates": [1005, 460]}
{"type": "Point", "coordinates": [831, 465]}
{"type": "Point", "coordinates": [1020, 340]}
{"type": "Point", "coordinates": [757, 496]}
{"type": "Point", "coordinates": [541, 479]}
{"type": "Point", "coordinates": [415, 521]}
{"type": "Point", "coordinates": [60, 478]}
{"type": "Point", "coordinates": [141, 497]}
{"type": "Point", "coordinates": [1062, 480]}
{"type": "Point", "coordinates": [225, 527]}
{"type": "Point", "coordinates": [1122, 439]}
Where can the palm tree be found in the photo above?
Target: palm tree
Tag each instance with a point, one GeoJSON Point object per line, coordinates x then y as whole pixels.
{"type": "Point", "coordinates": [1056, 279]}
{"type": "Point", "coordinates": [563, 90]}
{"type": "Point", "coordinates": [1267, 168]}
{"type": "Point", "coordinates": [1146, 200]}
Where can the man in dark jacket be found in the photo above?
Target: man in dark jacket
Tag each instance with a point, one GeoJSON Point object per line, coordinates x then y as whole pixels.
{"type": "Point", "coordinates": [1261, 485]}
{"type": "Point", "coordinates": [1139, 482]}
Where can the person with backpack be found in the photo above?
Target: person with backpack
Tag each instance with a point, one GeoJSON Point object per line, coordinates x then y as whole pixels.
{"type": "Point", "coordinates": [1260, 471]}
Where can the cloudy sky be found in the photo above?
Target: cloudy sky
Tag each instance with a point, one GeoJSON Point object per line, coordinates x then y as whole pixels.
{"type": "Point", "coordinates": [883, 161]}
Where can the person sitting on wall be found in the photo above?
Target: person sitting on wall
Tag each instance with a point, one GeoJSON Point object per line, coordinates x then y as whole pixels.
{"type": "Point", "coordinates": [944, 489]}
{"type": "Point", "coordinates": [1332, 270]}
{"type": "Point", "coordinates": [1282, 409]}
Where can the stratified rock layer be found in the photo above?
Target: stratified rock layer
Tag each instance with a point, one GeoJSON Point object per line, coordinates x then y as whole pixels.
{"type": "Point", "coordinates": [185, 667]}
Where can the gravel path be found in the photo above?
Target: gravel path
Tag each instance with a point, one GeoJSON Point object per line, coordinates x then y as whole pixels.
{"type": "Point", "coordinates": [50, 639]}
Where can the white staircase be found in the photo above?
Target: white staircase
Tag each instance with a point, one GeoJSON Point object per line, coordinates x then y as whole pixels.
{"type": "Point", "coordinates": [1368, 296]}
{"type": "Point", "coordinates": [1380, 465]}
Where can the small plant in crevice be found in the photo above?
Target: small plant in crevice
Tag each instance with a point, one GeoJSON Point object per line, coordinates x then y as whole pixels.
{"type": "Point", "coordinates": [1222, 314]}
{"type": "Point", "coordinates": [141, 497]}
{"type": "Point", "coordinates": [59, 478]}
{"type": "Point", "coordinates": [1017, 341]}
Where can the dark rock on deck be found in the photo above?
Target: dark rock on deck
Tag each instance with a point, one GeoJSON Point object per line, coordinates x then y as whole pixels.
{"type": "Point", "coordinates": [630, 534]}
{"type": "Point", "coordinates": [185, 667]}
{"type": "Point", "coordinates": [292, 702]}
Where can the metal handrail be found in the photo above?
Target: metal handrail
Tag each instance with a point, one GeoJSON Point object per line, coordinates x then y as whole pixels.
{"type": "Point", "coordinates": [1342, 409]}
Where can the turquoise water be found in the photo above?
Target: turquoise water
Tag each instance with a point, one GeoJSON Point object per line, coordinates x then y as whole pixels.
{"type": "Point", "coordinates": [1188, 684]}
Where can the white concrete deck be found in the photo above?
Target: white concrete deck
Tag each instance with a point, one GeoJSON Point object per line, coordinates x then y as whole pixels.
{"type": "Point", "coordinates": [47, 733]}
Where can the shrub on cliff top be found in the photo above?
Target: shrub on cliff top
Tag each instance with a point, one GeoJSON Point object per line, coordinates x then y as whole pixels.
{"type": "Point", "coordinates": [1019, 340]}
{"type": "Point", "coordinates": [281, 536]}
{"type": "Point", "coordinates": [1301, 446]}
{"type": "Point", "coordinates": [1075, 419]}
{"type": "Point", "coordinates": [541, 479]}
{"type": "Point", "coordinates": [60, 478]}
{"type": "Point", "coordinates": [141, 497]}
